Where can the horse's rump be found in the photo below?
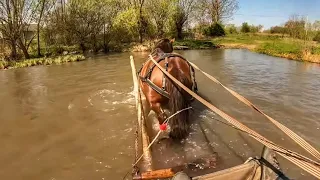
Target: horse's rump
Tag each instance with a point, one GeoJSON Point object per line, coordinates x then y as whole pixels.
{"type": "Point", "coordinates": [161, 90]}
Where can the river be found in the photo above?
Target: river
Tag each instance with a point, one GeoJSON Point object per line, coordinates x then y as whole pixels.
{"type": "Point", "coordinates": [76, 120]}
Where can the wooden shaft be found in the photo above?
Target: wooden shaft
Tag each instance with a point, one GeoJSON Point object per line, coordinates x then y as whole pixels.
{"type": "Point", "coordinates": [158, 174]}
{"type": "Point", "coordinates": [207, 162]}
{"type": "Point", "coordinates": [141, 121]}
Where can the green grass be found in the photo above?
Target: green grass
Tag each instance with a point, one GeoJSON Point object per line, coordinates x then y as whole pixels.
{"type": "Point", "coordinates": [51, 50]}
{"type": "Point", "coordinates": [245, 38]}
{"type": "Point", "coordinates": [40, 61]}
{"type": "Point", "coordinates": [279, 47]}
{"type": "Point", "coordinates": [195, 44]}
{"type": "Point", "coordinates": [316, 50]}
{"type": "Point", "coordinates": [274, 45]}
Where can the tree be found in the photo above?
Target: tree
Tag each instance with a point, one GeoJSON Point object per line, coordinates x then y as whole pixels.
{"type": "Point", "coordinates": [15, 18]}
{"type": "Point", "coordinates": [277, 30]}
{"type": "Point", "coordinates": [181, 14]}
{"type": "Point", "coordinates": [43, 8]}
{"type": "Point", "coordinates": [317, 37]}
{"type": "Point", "coordinates": [316, 25]}
{"type": "Point", "coordinates": [138, 5]}
{"type": "Point", "coordinates": [296, 27]}
{"type": "Point", "coordinates": [231, 29]}
{"type": "Point", "coordinates": [111, 11]}
{"type": "Point", "coordinates": [217, 11]}
{"type": "Point", "coordinates": [255, 29]}
{"type": "Point", "coordinates": [260, 27]}
{"type": "Point", "coordinates": [126, 25]}
{"type": "Point", "coordinates": [160, 11]}
{"type": "Point", "coordinates": [245, 28]}
{"type": "Point", "coordinates": [215, 30]}
{"type": "Point", "coordinates": [84, 20]}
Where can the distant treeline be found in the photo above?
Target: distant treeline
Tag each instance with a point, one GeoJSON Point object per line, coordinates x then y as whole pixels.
{"type": "Point", "coordinates": [35, 28]}
{"type": "Point", "coordinates": [100, 24]}
{"type": "Point", "coordinates": [299, 28]}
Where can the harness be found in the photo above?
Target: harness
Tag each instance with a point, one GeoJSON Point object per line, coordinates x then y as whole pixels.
{"type": "Point", "coordinates": [162, 91]}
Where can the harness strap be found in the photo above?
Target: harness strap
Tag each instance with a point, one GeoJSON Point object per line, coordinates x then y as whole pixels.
{"type": "Point", "coordinates": [162, 90]}
{"type": "Point", "coordinates": [157, 89]}
{"type": "Point", "coordinates": [164, 77]}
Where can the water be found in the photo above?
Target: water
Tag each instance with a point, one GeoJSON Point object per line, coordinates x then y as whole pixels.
{"type": "Point", "coordinates": [76, 121]}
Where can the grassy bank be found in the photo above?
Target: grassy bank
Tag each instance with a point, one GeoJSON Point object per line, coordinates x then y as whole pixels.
{"type": "Point", "coordinates": [178, 45]}
{"type": "Point", "coordinates": [274, 45]}
{"type": "Point", "coordinates": [195, 44]}
{"type": "Point", "coordinates": [40, 61]}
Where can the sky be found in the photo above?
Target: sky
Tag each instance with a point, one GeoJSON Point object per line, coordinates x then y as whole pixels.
{"type": "Point", "coordinates": [274, 12]}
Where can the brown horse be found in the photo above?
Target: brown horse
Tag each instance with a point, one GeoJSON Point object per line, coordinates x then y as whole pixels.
{"type": "Point", "coordinates": [162, 93]}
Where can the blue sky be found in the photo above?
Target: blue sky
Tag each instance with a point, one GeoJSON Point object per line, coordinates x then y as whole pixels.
{"type": "Point", "coordinates": [274, 12]}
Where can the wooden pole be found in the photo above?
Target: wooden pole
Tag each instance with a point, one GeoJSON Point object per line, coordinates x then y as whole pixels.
{"type": "Point", "coordinates": [141, 119]}
{"type": "Point", "coordinates": [189, 168]}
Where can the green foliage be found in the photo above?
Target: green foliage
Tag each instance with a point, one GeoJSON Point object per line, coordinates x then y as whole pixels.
{"type": "Point", "coordinates": [40, 61]}
{"type": "Point", "coordinates": [277, 30]}
{"type": "Point", "coordinates": [255, 29]}
{"type": "Point", "coordinates": [125, 25]}
{"type": "Point", "coordinates": [317, 37]}
{"type": "Point", "coordinates": [296, 28]}
{"type": "Point", "coordinates": [214, 30]}
{"type": "Point", "coordinates": [194, 44]}
{"type": "Point", "coordinates": [231, 29]}
{"type": "Point", "coordinates": [245, 28]}
{"type": "Point", "coordinates": [160, 12]}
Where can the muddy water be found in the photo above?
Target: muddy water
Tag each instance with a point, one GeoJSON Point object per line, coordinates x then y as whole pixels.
{"type": "Point", "coordinates": [75, 121]}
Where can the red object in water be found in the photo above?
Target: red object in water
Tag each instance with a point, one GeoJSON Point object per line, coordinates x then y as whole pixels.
{"type": "Point", "coordinates": [163, 127]}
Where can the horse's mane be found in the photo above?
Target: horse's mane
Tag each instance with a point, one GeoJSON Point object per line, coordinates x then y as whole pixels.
{"type": "Point", "coordinates": [157, 51]}
{"type": "Point", "coordinates": [162, 47]}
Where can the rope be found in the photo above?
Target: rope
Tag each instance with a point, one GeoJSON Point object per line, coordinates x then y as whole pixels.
{"type": "Point", "coordinates": [156, 137]}
{"type": "Point", "coordinates": [299, 140]}
{"type": "Point", "coordinates": [290, 153]}
{"type": "Point", "coordinates": [308, 167]}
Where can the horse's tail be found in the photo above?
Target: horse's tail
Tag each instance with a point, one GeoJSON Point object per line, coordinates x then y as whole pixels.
{"type": "Point", "coordinates": [179, 99]}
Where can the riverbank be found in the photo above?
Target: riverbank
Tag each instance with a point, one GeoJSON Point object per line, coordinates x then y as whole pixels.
{"type": "Point", "coordinates": [41, 61]}
{"type": "Point", "coordinates": [273, 45]}
{"type": "Point", "coordinates": [269, 44]}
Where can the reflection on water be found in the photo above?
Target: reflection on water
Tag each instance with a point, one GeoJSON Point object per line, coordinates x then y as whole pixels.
{"type": "Point", "coordinates": [76, 121]}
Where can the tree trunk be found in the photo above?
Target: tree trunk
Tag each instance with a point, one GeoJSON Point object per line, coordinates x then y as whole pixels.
{"type": "Point", "coordinates": [140, 31]}
{"type": "Point", "coordinates": [140, 24]}
{"type": "Point", "coordinates": [95, 47]}
{"type": "Point", "coordinates": [82, 47]}
{"type": "Point", "coordinates": [105, 45]}
{"type": "Point", "coordinates": [24, 49]}
{"type": "Point", "coordinates": [38, 39]}
{"type": "Point", "coordinates": [38, 27]}
{"type": "Point", "coordinates": [13, 54]}
{"type": "Point", "coordinates": [179, 32]}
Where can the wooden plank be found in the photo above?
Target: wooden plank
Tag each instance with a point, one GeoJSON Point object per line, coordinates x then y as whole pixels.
{"type": "Point", "coordinates": [147, 158]}
{"type": "Point", "coordinates": [189, 169]}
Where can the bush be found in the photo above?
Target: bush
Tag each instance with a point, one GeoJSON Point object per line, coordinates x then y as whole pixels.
{"type": "Point", "coordinates": [214, 30]}
{"type": "Point", "coordinates": [245, 28]}
{"type": "Point", "coordinates": [232, 30]}
{"type": "Point", "coordinates": [317, 37]}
